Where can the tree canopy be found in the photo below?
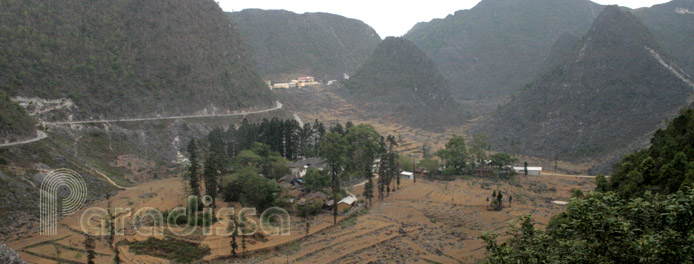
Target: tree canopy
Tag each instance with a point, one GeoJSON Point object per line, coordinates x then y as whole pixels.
{"type": "Point", "coordinates": [605, 228]}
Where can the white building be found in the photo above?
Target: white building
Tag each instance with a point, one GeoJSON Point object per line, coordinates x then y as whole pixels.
{"type": "Point", "coordinates": [534, 171]}
{"type": "Point", "coordinates": [407, 175]}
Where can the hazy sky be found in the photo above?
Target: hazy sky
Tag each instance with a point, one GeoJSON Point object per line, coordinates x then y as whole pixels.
{"type": "Point", "coordinates": [388, 18]}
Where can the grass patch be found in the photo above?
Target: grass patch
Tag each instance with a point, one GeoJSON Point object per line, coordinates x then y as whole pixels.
{"type": "Point", "coordinates": [352, 218]}
{"type": "Point", "coordinates": [174, 250]}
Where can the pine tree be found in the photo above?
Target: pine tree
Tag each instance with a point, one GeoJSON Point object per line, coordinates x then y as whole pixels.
{"type": "Point", "coordinates": [89, 245]}
{"type": "Point", "coordinates": [211, 173]}
{"type": "Point", "coordinates": [116, 256]}
{"type": "Point", "coordinates": [193, 169]}
{"type": "Point", "coordinates": [369, 191]}
{"type": "Point", "coordinates": [396, 169]}
{"type": "Point", "coordinates": [392, 163]}
{"type": "Point", "coordinates": [112, 234]}
{"type": "Point", "coordinates": [234, 233]}
{"type": "Point", "coordinates": [332, 148]}
{"type": "Point", "coordinates": [111, 220]}
{"type": "Point", "coordinates": [243, 244]}
{"type": "Point", "coordinates": [382, 169]}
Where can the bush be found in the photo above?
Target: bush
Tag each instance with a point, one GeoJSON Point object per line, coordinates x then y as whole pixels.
{"type": "Point", "coordinates": [176, 250]}
{"type": "Point", "coordinates": [605, 228]}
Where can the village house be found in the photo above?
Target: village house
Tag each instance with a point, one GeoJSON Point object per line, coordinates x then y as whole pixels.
{"type": "Point", "coordinates": [287, 181]}
{"type": "Point", "coordinates": [346, 203]}
{"type": "Point", "coordinates": [317, 197]}
{"type": "Point", "coordinates": [301, 82]}
{"type": "Point", "coordinates": [299, 168]}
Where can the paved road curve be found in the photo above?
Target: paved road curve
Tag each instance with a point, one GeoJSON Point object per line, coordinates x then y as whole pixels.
{"type": "Point", "coordinates": [242, 113]}
{"type": "Point", "coordinates": [39, 136]}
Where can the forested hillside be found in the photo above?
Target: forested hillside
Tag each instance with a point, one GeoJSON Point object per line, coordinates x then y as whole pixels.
{"type": "Point", "coordinates": [14, 122]}
{"type": "Point", "coordinates": [399, 80]}
{"type": "Point", "coordinates": [610, 92]}
{"type": "Point", "coordinates": [498, 46]}
{"type": "Point", "coordinates": [127, 58]}
{"type": "Point", "coordinates": [286, 45]}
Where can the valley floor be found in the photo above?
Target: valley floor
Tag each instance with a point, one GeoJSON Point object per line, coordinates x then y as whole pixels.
{"type": "Point", "coordinates": [422, 222]}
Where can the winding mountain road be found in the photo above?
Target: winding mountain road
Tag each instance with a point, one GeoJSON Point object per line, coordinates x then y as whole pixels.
{"type": "Point", "coordinates": [278, 106]}
{"type": "Point", "coordinates": [39, 136]}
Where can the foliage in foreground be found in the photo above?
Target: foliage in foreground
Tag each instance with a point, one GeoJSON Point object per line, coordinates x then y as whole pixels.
{"type": "Point", "coordinates": [605, 228]}
{"type": "Point", "coordinates": [665, 167]}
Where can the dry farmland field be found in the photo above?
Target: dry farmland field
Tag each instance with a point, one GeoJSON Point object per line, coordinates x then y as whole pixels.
{"type": "Point", "coordinates": [422, 222]}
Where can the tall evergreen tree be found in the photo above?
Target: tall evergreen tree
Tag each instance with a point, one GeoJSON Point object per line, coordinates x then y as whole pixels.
{"type": "Point", "coordinates": [369, 191]}
{"type": "Point", "coordinates": [211, 174]}
{"type": "Point", "coordinates": [332, 150]}
{"type": "Point", "coordinates": [193, 169]}
{"type": "Point", "coordinates": [383, 168]}
{"type": "Point", "coordinates": [89, 245]}
{"type": "Point", "coordinates": [305, 141]}
{"type": "Point", "coordinates": [231, 142]}
{"type": "Point", "coordinates": [234, 233]}
{"type": "Point", "coordinates": [318, 133]}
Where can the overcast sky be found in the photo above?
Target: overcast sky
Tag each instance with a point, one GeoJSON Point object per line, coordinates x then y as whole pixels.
{"type": "Point", "coordinates": [388, 18]}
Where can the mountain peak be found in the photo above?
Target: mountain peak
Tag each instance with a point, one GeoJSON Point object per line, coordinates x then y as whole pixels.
{"type": "Point", "coordinates": [618, 26]}
{"type": "Point", "coordinates": [399, 75]}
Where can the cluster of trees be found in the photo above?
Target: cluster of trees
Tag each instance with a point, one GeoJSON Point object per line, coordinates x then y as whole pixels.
{"type": "Point", "coordinates": [665, 167]}
{"type": "Point", "coordinates": [256, 154]}
{"type": "Point", "coordinates": [497, 202]}
{"type": "Point", "coordinates": [286, 137]}
{"type": "Point", "coordinates": [253, 181]}
{"type": "Point", "coordinates": [457, 156]}
{"type": "Point", "coordinates": [605, 228]}
{"type": "Point", "coordinates": [350, 152]}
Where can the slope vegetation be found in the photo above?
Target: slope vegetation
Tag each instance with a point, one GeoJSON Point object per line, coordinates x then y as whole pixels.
{"type": "Point", "coordinates": [14, 122]}
{"type": "Point", "coordinates": [127, 58]}
{"type": "Point", "coordinates": [286, 45]}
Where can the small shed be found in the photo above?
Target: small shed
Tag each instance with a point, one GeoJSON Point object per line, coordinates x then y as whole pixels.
{"type": "Point", "coordinates": [346, 203]}
{"type": "Point", "coordinates": [407, 175]}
